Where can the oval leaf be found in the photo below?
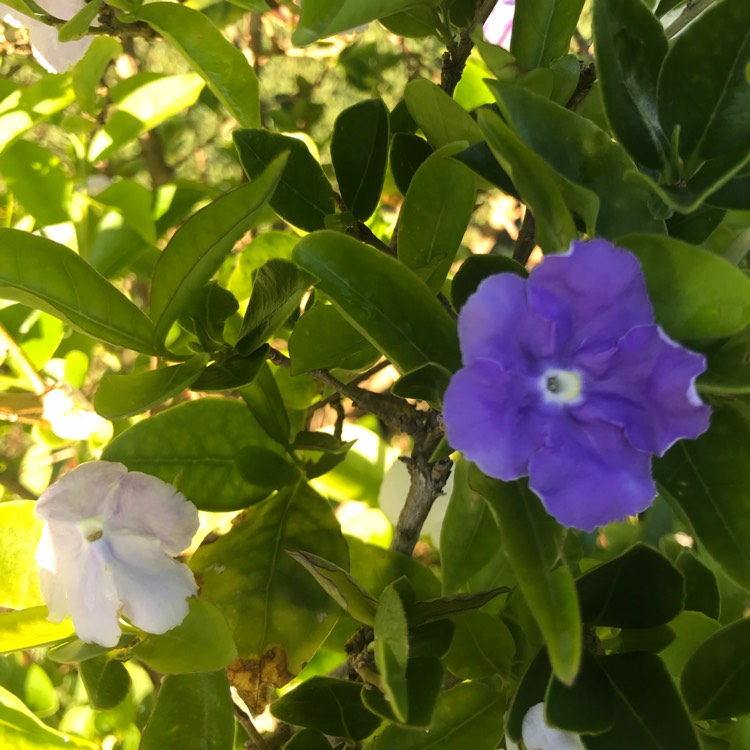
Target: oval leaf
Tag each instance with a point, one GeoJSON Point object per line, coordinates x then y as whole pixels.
{"type": "Point", "coordinates": [19, 535]}
{"type": "Point", "coordinates": [30, 628]}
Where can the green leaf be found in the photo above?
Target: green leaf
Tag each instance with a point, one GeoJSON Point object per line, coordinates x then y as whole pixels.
{"type": "Point", "coordinates": [324, 442]}
{"type": "Point", "coordinates": [715, 48]}
{"type": "Point", "coordinates": [76, 650]}
{"type": "Point", "coordinates": [332, 706]}
{"type": "Point", "coordinates": [323, 339]}
{"type": "Point", "coordinates": [728, 366]}
{"type": "Point", "coordinates": [649, 714]}
{"type": "Point", "coordinates": [542, 30]}
{"type": "Point", "coordinates": [125, 395]}
{"type": "Point", "coordinates": [382, 299]}
{"type": "Point", "coordinates": [278, 614]}
{"type": "Point", "coordinates": [30, 628]}
{"type": "Point", "coordinates": [438, 116]}
{"type": "Point", "coordinates": [434, 216]}
{"type": "Point", "coordinates": [482, 646]}
{"type": "Point", "coordinates": [263, 399]}
{"type": "Point", "coordinates": [590, 159]}
{"type": "Point", "coordinates": [467, 716]}
{"type": "Point", "coordinates": [56, 280]}
{"type": "Point", "coordinates": [423, 612]}
{"type": "Point", "coordinates": [533, 543]}
{"type": "Point", "coordinates": [530, 691]}
{"type": "Point", "coordinates": [224, 68]}
{"type": "Point", "coordinates": [20, 530]}
{"type": "Point", "coordinates": [701, 588]}
{"type": "Point", "coordinates": [265, 468]}
{"type": "Point", "coordinates": [21, 730]}
{"type": "Point", "coordinates": [202, 462]}
{"type": "Point", "coordinates": [236, 371]}
{"type": "Point", "coordinates": [392, 650]}
{"type": "Point", "coordinates": [408, 152]}
{"type": "Point", "coordinates": [198, 248]}
{"type": "Point", "coordinates": [277, 292]}
{"type": "Point", "coordinates": [303, 196]}
{"type": "Point", "coordinates": [143, 109]}
{"type": "Point", "coordinates": [192, 712]}
{"type": "Point", "coordinates": [78, 25]}
{"type": "Point", "coordinates": [426, 383]}
{"type": "Point", "coordinates": [359, 152]}
{"type": "Point", "coordinates": [107, 682]}
{"type": "Point", "coordinates": [631, 47]}
{"type": "Point", "coordinates": [480, 159]}
{"type": "Point", "coordinates": [88, 71]}
{"type": "Point", "coordinates": [638, 589]}
{"type": "Point", "coordinates": [202, 642]}
{"type": "Point", "coordinates": [709, 479]}
{"type": "Point", "coordinates": [475, 269]}
{"type": "Point", "coordinates": [308, 739]}
{"type": "Point", "coordinates": [689, 630]}
{"type": "Point", "coordinates": [345, 590]}
{"type": "Point", "coordinates": [696, 294]}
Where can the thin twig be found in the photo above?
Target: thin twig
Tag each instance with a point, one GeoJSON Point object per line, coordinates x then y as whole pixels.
{"type": "Point", "coordinates": [692, 10]}
{"type": "Point", "coordinates": [18, 355]}
{"type": "Point", "coordinates": [526, 241]}
{"type": "Point", "coordinates": [246, 723]}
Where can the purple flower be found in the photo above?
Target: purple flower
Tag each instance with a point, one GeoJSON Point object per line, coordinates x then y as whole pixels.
{"type": "Point", "coordinates": [568, 380]}
{"type": "Point", "coordinates": [499, 26]}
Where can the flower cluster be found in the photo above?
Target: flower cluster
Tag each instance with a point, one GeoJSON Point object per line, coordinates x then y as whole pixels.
{"type": "Point", "coordinates": [567, 379]}
{"type": "Point", "coordinates": [107, 548]}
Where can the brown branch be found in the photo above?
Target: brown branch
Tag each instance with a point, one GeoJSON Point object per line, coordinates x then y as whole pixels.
{"type": "Point", "coordinates": [526, 241]}
{"type": "Point", "coordinates": [247, 724]}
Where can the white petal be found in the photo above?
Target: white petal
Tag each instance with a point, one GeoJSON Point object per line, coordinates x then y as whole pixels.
{"type": "Point", "coordinates": [152, 586]}
{"type": "Point", "coordinates": [51, 585]}
{"type": "Point", "coordinates": [538, 736]}
{"type": "Point", "coordinates": [146, 506]}
{"type": "Point", "coordinates": [53, 55]}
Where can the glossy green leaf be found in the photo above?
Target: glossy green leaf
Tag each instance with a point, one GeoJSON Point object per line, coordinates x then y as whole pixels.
{"type": "Point", "coordinates": [469, 715]}
{"type": "Point", "coordinates": [701, 588]}
{"type": "Point", "coordinates": [392, 650]}
{"type": "Point", "coordinates": [56, 280]}
{"type": "Point", "coordinates": [87, 72]}
{"type": "Point", "coordinates": [21, 730]}
{"type": "Point", "coordinates": [332, 706]}
{"type": "Point", "coordinates": [542, 30]}
{"type": "Point", "coordinates": [345, 590]}
{"type": "Point", "coordinates": [308, 739]}
{"type": "Point", "coordinates": [202, 642]}
{"type": "Point", "coordinates": [198, 248]}
{"type": "Point", "coordinates": [236, 371]}
{"type": "Point", "coordinates": [631, 47]}
{"type": "Point", "coordinates": [545, 192]}
{"type": "Point", "coordinates": [125, 395]}
{"type": "Point", "coordinates": [426, 383]}
{"type": "Point", "coordinates": [475, 269]}
{"type": "Point", "coordinates": [225, 69]}
{"type": "Point", "coordinates": [78, 25]}
{"type": "Point", "coordinates": [689, 630]}
{"type": "Point", "coordinates": [192, 712]}
{"type": "Point", "coordinates": [359, 152]}
{"type": "Point", "coordinates": [649, 714]}
{"type": "Point", "coordinates": [303, 196]}
{"type": "Point", "coordinates": [382, 299]}
{"type": "Point", "coordinates": [263, 399]}
{"type": "Point", "coordinates": [696, 294]}
{"type": "Point", "coordinates": [265, 468]}
{"type": "Point", "coordinates": [201, 463]}
{"type": "Point", "coordinates": [533, 541]}
{"type": "Point", "coordinates": [278, 614]}
{"type": "Point", "coordinates": [715, 48]}
{"type": "Point", "coordinates": [590, 159]}
{"type": "Point", "coordinates": [30, 628]}
{"type": "Point", "coordinates": [277, 292]}
{"type": "Point", "coordinates": [530, 690]}
{"type": "Point", "coordinates": [480, 159]}
{"type": "Point", "coordinates": [323, 339]}
{"type": "Point", "coordinates": [434, 216]}
{"type": "Point", "coordinates": [107, 681]}
{"type": "Point", "coordinates": [482, 646]}
{"type": "Point", "coordinates": [19, 535]}
{"type": "Point", "coordinates": [408, 152]}
{"type": "Point", "coordinates": [305, 440]}
{"type": "Point", "coordinates": [728, 366]}
{"type": "Point", "coordinates": [446, 606]}
{"type": "Point", "coordinates": [416, 22]}
{"type": "Point", "coordinates": [438, 116]}
{"type": "Point", "coordinates": [143, 109]}
{"type": "Point", "coordinates": [638, 589]}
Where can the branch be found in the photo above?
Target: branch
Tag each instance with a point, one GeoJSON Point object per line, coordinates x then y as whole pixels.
{"type": "Point", "coordinates": [692, 10]}
{"type": "Point", "coordinates": [526, 241]}
{"type": "Point", "coordinates": [18, 355]}
{"type": "Point", "coordinates": [246, 723]}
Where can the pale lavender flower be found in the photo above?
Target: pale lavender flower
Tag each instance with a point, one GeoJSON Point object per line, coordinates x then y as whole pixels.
{"type": "Point", "coordinates": [107, 549]}
{"type": "Point", "coordinates": [499, 26]}
{"type": "Point", "coordinates": [538, 735]}
{"type": "Point", "coordinates": [567, 379]}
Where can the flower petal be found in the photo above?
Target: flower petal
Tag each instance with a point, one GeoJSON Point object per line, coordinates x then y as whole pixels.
{"type": "Point", "coordinates": [497, 323]}
{"type": "Point", "coordinates": [152, 586]}
{"type": "Point", "coordinates": [648, 388]}
{"type": "Point", "coordinates": [493, 417]}
{"type": "Point", "coordinates": [596, 288]}
{"type": "Point", "coordinates": [589, 474]}
{"type": "Point", "coordinates": [537, 735]}
{"type": "Point", "coordinates": [58, 548]}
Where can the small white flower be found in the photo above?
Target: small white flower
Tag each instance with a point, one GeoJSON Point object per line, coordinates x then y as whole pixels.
{"type": "Point", "coordinates": [537, 735]}
{"type": "Point", "coordinates": [107, 548]}
{"type": "Point", "coordinates": [68, 417]}
{"type": "Point", "coordinates": [499, 26]}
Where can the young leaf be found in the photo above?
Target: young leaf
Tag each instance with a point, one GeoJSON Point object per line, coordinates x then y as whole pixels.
{"type": "Point", "coordinates": [57, 280]}
{"type": "Point", "coordinates": [382, 299]}
{"type": "Point", "coordinates": [198, 248]}
{"type": "Point", "coordinates": [263, 399]}
{"type": "Point", "coordinates": [223, 67]}
{"type": "Point", "coordinates": [236, 371]}
{"type": "Point", "coordinates": [542, 30]}
{"type": "Point", "coordinates": [87, 72]}
{"type": "Point", "coordinates": [359, 152]}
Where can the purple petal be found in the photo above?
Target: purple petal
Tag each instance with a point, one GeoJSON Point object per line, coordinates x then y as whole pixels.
{"type": "Point", "coordinates": [493, 417]}
{"type": "Point", "coordinates": [596, 289]}
{"type": "Point", "coordinates": [496, 323]}
{"type": "Point", "coordinates": [589, 475]}
{"type": "Point", "coordinates": [648, 389]}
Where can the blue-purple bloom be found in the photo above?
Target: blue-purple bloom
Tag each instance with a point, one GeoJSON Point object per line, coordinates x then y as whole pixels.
{"type": "Point", "coordinates": [567, 379]}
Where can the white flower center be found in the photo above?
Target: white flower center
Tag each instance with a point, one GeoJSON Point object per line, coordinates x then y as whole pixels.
{"type": "Point", "coordinates": [561, 386]}
{"type": "Point", "coordinates": [92, 528]}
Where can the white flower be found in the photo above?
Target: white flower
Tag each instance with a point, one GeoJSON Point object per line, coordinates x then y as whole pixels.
{"type": "Point", "coordinates": [54, 55]}
{"type": "Point", "coordinates": [107, 547]}
{"type": "Point", "coordinates": [499, 26]}
{"type": "Point", "coordinates": [537, 735]}
{"type": "Point", "coordinates": [68, 418]}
